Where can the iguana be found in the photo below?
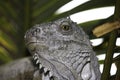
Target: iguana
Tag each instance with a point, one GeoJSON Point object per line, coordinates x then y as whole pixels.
{"type": "Point", "coordinates": [61, 51]}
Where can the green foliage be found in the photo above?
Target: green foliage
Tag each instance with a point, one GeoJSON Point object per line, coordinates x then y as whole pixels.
{"type": "Point", "coordinates": [16, 16]}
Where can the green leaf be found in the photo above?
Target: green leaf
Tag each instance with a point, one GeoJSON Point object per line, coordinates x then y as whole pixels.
{"type": "Point", "coordinates": [7, 42]}
{"type": "Point", "coordinates": [27, 15]}
{"type": "Point", "coordinates": [49, 10]}
{"type": "Point", "coordinates": [86, 6]}
{"type": "Point", "coordinates": [7, 27]}
{"type": "Point", "coordinates": [8, 11]}
{"type": "Point", "coordinates": [101, 61]}
{"type": "Point", "coordinates": [39, 10]}
{"type": "Point", "coordinates": [4, 55]}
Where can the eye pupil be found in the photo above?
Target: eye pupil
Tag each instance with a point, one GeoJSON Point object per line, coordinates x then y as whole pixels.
{"type": "Point", "coordinates": [65, 27]}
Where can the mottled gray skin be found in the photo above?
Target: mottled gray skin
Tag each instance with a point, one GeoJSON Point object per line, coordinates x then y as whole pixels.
{"type": "Point", "coordinates": [63, 51]}
{"type": "Point", "coordinates": [21, 69]}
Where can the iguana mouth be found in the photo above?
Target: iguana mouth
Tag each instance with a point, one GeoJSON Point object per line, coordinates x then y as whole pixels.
{"type": "Point", "coordinates": [33, 42]}
{"type": "Point", "coordinates": [36, 46]}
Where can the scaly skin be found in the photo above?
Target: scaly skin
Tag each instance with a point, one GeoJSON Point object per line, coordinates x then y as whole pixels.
{"type": "Point", "coordinates": [22, 69]}
{"type": "Point", "coordinates": [62, 51]}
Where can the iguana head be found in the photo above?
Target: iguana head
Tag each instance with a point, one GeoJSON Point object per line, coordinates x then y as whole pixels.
{"type": "Point", "coordinates": [55, 35]}
{"type": "Point", "coordinates": [63, 44]}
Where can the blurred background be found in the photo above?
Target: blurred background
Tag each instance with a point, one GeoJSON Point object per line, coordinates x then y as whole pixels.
{"type": "Point", "coordinates": [17, 16]}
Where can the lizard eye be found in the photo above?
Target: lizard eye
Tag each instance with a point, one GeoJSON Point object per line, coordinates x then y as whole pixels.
{"type": "Point", "coordinates": [65, 27]}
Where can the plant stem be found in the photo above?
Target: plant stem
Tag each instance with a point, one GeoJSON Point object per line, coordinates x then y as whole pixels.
{"type": "Point", "coordinates": [109, 56]}
{"type": "Point", "coordinates": [111, 46]}
{"type": "Point", "coordinates": [117, 17]}
{"type": "Point", "coordinates": [118, 71]}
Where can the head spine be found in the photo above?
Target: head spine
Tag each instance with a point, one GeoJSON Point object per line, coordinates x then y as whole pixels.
{"type": "Point", "coordinates": [42, 69]}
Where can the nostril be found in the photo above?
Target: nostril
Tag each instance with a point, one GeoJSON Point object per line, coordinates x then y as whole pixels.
{"type": "Point", "coordinates": [35, 31]}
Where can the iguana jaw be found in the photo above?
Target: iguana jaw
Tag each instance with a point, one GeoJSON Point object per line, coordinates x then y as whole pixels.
{"type": "Point", "coordinates": [36, 46]}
